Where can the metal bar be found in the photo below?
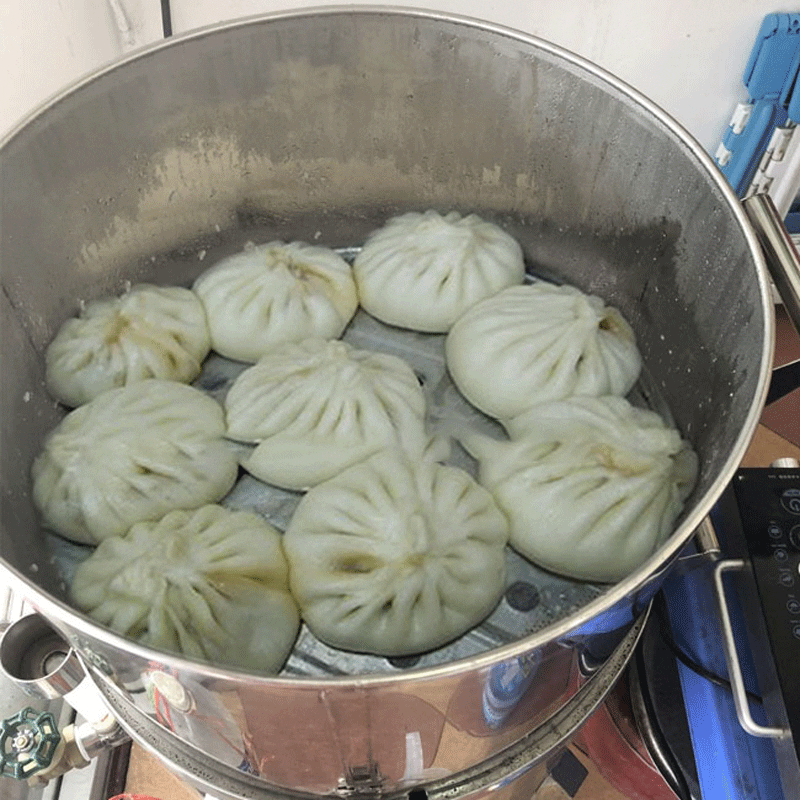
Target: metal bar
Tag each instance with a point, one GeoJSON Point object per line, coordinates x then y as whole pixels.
{"type": "Point", "coordinates": [782, 259]}
{"type": "Point", "coordinates": [706, 538]}
{"type": "Point", "coordinates": [734, 670]}
{"type": "Point", "coordinates": [166, 18]}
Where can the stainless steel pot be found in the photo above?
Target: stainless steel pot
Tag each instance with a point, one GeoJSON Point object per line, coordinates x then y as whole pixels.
{"type": "Point", "coordinates": [318, 125]}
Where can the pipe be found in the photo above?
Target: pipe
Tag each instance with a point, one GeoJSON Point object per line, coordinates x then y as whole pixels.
{"type": "Point", "coordinates": [38, 660]}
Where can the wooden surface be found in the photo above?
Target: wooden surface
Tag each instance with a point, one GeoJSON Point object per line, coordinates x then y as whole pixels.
{"type": "Point", "coordinates": [147, 776]}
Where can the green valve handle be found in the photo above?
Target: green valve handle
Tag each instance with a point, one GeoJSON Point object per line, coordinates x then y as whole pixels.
{"type": "Point", "coordinates": [28, 742]}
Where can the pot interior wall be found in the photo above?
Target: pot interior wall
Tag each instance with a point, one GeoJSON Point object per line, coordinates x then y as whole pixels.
{"type": "Point", "coordinates": [318, 127]}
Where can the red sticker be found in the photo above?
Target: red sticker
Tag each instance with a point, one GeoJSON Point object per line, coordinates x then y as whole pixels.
{"type": "Point", "coordinates": [133, 797]}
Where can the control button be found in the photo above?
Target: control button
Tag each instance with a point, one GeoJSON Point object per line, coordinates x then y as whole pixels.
{"type": "Point", "coordinates": [793, 607]}
{"type": "Point", "coordinates": [790, 500]}
{"type": "Point", "coordinates": [780, 555]}
{"type": "Point", "coordinates": [796, 631]}
{"type": "Point", "coordinates": [774, 530]}
{"type": "Point", "coordinates": [794, 537]}
{"type": "Point", "coordinates": [786, 579]}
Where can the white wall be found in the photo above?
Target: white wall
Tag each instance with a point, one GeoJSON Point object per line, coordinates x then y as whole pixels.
{"type": "Point", "coordinates": [46, 44]}
{"type": "Point", "coordinates": [686, 55]}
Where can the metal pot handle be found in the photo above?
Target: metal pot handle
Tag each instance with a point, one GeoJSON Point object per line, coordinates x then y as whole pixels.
{"type": "Point", "coordinates": [734, 670]}
{"type": "Point", "coordinates": [782, 258]}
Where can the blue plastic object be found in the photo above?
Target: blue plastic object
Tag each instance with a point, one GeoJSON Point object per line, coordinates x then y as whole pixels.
{"type": "Point", "coordinates": [731, 764]}
{"type": "Point", "coordinates": [770, 77]}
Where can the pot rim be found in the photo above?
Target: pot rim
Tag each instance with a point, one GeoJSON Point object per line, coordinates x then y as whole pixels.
{"type": "Point", "coordinates": [66, 618]}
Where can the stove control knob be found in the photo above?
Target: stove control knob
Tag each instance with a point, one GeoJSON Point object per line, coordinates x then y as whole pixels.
{"type": "Point", "coordinates": [790, 500]}
{"type": "Point", "coordinates": [794, 536]}
{"type": "Point", "coordinates": [787, 462]}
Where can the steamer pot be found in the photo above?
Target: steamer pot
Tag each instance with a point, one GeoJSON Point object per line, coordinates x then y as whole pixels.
{"type": "Point", "coordinates": [318, 125]}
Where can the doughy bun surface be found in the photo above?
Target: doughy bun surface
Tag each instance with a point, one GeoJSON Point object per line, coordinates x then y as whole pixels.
{"type": "Point", "coordinates": [394, 557]}
{"type": "Point", "coordinates": [423, 270]}
{"type": "Point", "coordinates": [591, 485]}
{"type": "Point", "coordinates": [273, 293]}
{"type": "Point", "coordinates": [316, 407]}
{"type": "Point", "coordinates": [210, 583]}
{"type": "Point", "coordinates": [132, 454]}
{"type": "Point", "coordinates": [148, 332]}
{"type": "Point", "coordinates": [539, 342]}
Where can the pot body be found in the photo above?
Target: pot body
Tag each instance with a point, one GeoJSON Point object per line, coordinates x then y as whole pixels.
{"type": "Point", "coordinates": [513, 773]}
{"type": "Point", "coordinates": [318, 126]}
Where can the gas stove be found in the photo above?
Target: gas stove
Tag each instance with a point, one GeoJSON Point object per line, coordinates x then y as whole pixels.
{"type": "Point", "coordinates": [726, 642]}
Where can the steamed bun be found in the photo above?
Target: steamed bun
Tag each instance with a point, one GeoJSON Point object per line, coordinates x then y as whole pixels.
{"type": "Point", "coordinates": [394, 557]}
{"type": "Point", "coordinates": [148, 332]}
{"type": "Point", "coordinates": [591, 485]}
{"type": "Point", "coordinates": [132, 454]}
{"type": "Point", "coordinates": [422, 271]}
{"type": "Point", "coordinates": [275, 293]}
{"type": "Point", "coordinates": [538, 342]}
{"type": "Point", "coordinates": [316, 407]}
{"type": "Point", "coordinates": [210, 583]}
